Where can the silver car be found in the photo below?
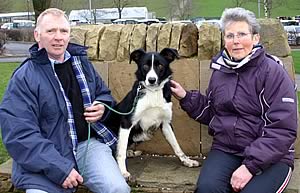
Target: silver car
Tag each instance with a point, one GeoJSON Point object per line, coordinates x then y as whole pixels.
{"type": "Point", "coordinates": [293, 33]}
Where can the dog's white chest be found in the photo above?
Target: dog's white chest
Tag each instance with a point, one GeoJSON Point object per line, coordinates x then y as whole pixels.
{"type": "Point", "coordinates": [152, 109]}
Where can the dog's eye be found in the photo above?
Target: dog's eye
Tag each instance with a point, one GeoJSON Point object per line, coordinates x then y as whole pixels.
{"type": "Point", "coordinates": [146, 67]}
{"type": "Point", "coordinates": [160, 67]}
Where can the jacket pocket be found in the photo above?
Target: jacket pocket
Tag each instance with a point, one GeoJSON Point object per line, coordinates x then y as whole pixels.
{"type": "Point", "coordinates": [223, 128]}
{"type": "Point", "coordinates": [247, 131]}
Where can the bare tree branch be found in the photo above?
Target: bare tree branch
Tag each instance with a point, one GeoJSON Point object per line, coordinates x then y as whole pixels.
{"type": "Point", "coordinates": [57, 3]}
{"type": "Point", "coordinates": [270, 5]}
{"type": "Point", "coordinates": [120, 4]}
{"type": "Point", "coordinates": [239, 3]}
{"type": "Point", "coordinates": [39, 6]}
{"type": "Point", "coordinates": [180, 9]}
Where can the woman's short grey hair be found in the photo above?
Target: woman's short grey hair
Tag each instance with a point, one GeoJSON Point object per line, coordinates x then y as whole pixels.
{"type": "Point", "coordinates": [236, 14]}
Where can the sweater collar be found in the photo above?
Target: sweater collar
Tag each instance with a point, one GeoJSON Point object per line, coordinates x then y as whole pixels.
{"type": "Point", "coordinates": [67, 56]}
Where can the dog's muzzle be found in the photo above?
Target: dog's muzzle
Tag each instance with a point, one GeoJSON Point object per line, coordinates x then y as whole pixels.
{"type": "Point", "coordinates": [152, 80]}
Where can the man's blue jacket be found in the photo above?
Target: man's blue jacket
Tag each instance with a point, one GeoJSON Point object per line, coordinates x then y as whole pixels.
{"type": "Point", "coordinates": [33, 120]}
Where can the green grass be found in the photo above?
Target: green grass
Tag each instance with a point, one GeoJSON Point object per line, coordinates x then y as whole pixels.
{"type": "Point", "coordinates": [5, 73]}
{"type": "Point", "coordinates": [296, 59]}
{"type": "Point", "coordinates": [207, 8]}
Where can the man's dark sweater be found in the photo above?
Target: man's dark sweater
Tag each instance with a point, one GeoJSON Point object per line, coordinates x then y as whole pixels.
{"type": "Point", "coordinates": [71, 87]}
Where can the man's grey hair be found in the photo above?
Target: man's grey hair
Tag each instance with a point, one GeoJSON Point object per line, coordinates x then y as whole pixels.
{"type": "Point", "coordinates": [51, 11]}
{"type": "Point", "coordinates": [236, 14]}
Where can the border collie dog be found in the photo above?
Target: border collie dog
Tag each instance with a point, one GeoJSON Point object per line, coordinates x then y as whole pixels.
{"type": "Point", "coordinates": [151, 106]}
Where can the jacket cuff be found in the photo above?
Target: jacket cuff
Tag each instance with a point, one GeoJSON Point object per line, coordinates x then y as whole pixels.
{"type": "Point", "coordinates": [106, 111]}
{"type": "Point", "coordinates": [185, 100]}
{"type": "Point", "coordinates": [253, 168]}
{"type": "Point", "coordinates": [58, 174]}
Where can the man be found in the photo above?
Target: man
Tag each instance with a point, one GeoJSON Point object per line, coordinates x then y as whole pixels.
{"type": "Point", "coordinates": [51, 117]}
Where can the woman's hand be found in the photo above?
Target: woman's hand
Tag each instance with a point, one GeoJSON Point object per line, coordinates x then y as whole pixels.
{"type": "Point", "coordinates": [94, 112]}
{"type": "Point", "coordinates": [240, 178]}
{"type": "Point", "coordinates": [177, 90]}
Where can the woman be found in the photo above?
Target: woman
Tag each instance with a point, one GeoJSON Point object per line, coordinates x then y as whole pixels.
{"type": "Point", "coordinates": [250, 108]}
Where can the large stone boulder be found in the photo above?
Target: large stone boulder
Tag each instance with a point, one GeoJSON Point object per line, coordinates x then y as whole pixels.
{"type": "Point", "coordinates": [152, 36]}
{"type": "Point", "coordinates": [124, 43]}
{"type": "Point", "coordinates": [188, 41]}
{"type": "Point", "coordinates": [164, 37]}
{"type": "Point", "coordinates": [92, 40]}
{"type": "Point", "coordinates": [209, 42]}
{"type": "Point", "coordinates": [138, 39]}
{"type": "Point", "coordinates": [274, 38]}
{"type": "Point", "coordinates": [109, 42]}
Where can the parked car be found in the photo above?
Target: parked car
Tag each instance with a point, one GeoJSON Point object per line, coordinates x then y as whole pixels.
{"type": "Point", "coordinates": [125, 21]}
{"type": "Point", "coordinates": [17, 24]}
{"type": "Point", "coordinates": [162, 19]}
{"type": "Point", "coordinates": [293, 33]}
{"type": "Point", "coordinates": [289, 22]}
{"type": "Point", "coordinates": [23, 24]}
{"type": "Point", "coordinates": [7, 26]}
{"type": "Point", "coordinates": [182, 21]}
{"type": "Point", "coordinates": [148, 21]}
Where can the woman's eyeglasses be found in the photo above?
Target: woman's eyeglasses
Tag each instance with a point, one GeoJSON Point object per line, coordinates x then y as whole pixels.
{"type": "Point", "coordinates": [239, 35]}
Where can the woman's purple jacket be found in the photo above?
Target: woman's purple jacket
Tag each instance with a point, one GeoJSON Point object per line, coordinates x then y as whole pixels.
{"type": "Point", "coordinates": [251, 111]}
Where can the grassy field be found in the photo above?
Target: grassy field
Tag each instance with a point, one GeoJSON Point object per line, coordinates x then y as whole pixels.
{"type": "Point", "coordinates": [207, 8]}
{"type": "Point", "coordinates": [296, 58]}
{"type": "Point", "coordinates": [5, 73]}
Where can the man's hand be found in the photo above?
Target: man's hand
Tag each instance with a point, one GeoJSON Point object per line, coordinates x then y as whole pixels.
{"type": "Point", "coordinates": [94, 112]}
{"type": "Point", "coordinates": [73, 179]}
{"type": "Point", "coordinates": [240, 178]}
{"type": "Point", "coordinates": [177, 90]}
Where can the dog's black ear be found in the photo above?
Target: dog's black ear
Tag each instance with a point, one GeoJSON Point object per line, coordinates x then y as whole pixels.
{"type": "Point", "coordinates": [169, 54]}
{"type": "Point", "coordinates": [136, 55]}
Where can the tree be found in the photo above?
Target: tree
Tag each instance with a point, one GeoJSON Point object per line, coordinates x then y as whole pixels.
{"type": "Point", "coordinates": [120, 4]}
{"type": "Point", "coordinates": [39, 6]}
{"type": "Point", "coordinates": [269, 5]}
{"type": "Point", "coordinates": [57, 3]}
{"type": "Point", "coordinates": [239, 3]}
{"type": "Point", "coordinates": [180, 9]}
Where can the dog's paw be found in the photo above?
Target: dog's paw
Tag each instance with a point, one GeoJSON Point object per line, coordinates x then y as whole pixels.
{"type": "Point", "coordinates": [189, 162]}
{"type": "Point", "coordinates": [126, 175]}
{"type": "Point", "coordinates": [132, 153]}
{"type": "Point", "coordinates": [131, 181]}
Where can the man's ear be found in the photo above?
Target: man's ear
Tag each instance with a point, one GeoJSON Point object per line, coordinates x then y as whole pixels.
{"type": "Point", "coordinates": [36, 35]}
{"type": "Point", "coordinates": [136, 55]}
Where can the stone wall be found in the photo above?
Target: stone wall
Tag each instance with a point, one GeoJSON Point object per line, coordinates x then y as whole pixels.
{"type": "Point", "coordinates": [111, 45]}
